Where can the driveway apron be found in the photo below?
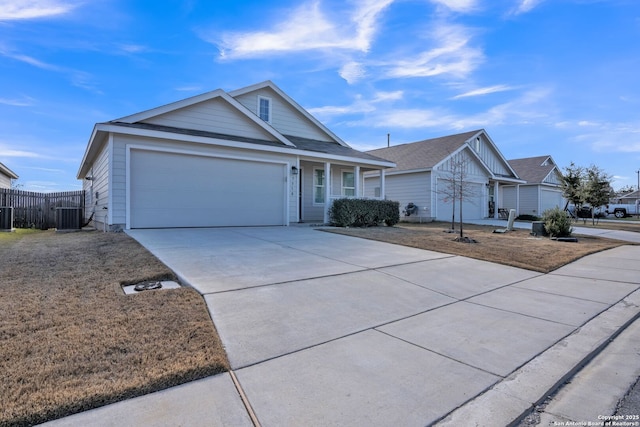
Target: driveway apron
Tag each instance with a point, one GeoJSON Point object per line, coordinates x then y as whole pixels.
{"type": "Point", "coordinates": [324, 329]}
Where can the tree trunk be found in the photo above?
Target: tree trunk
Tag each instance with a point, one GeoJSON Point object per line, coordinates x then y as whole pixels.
{"type": "Point", "coordinates": [461, 233]}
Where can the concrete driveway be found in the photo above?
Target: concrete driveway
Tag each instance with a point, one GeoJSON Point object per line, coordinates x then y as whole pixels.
{"type": "Point", "coordinates": [324, 329]}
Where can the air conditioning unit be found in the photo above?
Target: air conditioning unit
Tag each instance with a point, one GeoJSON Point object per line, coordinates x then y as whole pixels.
{"type": "Point", "coordinates": [68, 218]}
{"type": "Point", "coordinates": [6, 218]}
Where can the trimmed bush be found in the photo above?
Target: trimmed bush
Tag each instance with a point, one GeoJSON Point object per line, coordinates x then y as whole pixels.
{"type": "Point", "coordinates": [363, 212]}
{"type": "Point", "coordinates": [557, 223]}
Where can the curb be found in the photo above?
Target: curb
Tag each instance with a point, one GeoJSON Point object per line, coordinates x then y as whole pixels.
{"type": "Point", "coordinates": [507, 402]}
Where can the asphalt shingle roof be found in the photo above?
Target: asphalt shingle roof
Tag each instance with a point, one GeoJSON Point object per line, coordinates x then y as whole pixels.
{"type": "Point", "coordinates": [423, 154]}
{"type": "Point", "coordinates": [531, 169]}
{"type": "Point", "coordinates": [324, 147]}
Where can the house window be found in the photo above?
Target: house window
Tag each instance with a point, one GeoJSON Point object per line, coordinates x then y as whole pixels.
{"type": "Point", "coordinates": [264, 108]}
{"type": "Point", "coordinates": [348, 184]}
{"type": "Point", "coordinates": [318, 186]}
{"type": "Point", "coordinates": [376, 192]}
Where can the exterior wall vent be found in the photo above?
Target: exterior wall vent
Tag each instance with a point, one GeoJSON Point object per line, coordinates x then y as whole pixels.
{"type": "Point", "coordinates": [68, 218]}
{"type": "Point", "coordinates": [6, 218]}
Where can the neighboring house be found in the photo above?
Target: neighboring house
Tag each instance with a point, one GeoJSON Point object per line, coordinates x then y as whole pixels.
{"type": "Point", "coordinates": [248, 157]}
{"type": "Point", "coordinates": [540, 192]}
{"type": "Point", "coordinates": [629, 198]}
{"type": "Point", "coordinates": [6, 175]}
{"type": "Point", "coordinates": [423, 170]}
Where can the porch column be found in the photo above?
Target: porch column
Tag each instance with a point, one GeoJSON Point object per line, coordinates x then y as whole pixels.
{"type": "Point", "coordinates": [382, 189]}
{"type": "Point", "coordinates": [496, 198]}
{"type": "Point", "coordinates": [356, 181]}
{"type": "Point", "coordinates": [517, 199]}
{"type": "Point", "coordinates": [327, 191]}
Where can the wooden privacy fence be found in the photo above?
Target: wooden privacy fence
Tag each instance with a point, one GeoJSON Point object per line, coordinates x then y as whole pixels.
{"type": "Point", "coordinates": [38, 210]}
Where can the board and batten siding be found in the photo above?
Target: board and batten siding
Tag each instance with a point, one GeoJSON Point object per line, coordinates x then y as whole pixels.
{"type": "Point", "coordinates": [214, 115]}
{"type": "Point", "coordinates": [489, 156]}
{"type": "Point", "coordinates": [119, 166]}
{"type": "Point", "coordinates": [284, 118]}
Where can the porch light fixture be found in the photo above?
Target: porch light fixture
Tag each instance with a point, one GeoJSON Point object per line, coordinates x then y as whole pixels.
{"type": "Point", "coordinates": [294, 170]}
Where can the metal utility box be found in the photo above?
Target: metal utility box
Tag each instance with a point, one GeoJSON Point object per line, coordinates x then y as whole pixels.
{"type": "Point", "coordinates": [537, 228]}
{"type": "Point", "coordinates": [68, 218]}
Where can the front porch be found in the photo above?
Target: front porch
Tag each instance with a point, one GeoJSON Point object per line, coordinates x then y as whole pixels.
{"type": "Point", "coordinates": [320, 183]}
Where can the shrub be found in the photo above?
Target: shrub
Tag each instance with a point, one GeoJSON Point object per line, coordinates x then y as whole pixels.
{"type": "Point", "coordinates": [557, 223]}
{"type": "Point", "coordinates": [364, 212]}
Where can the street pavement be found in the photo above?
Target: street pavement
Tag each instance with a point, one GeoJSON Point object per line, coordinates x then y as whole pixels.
{"type": "Point", "coordinates": [323, 329]}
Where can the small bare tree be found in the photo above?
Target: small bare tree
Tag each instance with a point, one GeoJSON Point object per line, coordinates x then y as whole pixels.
{"type": "Point", "coordinates": [457, 187]}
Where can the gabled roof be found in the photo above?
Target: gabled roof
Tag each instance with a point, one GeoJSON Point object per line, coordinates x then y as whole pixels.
{"type": "Point", "coordinates": [424, 154]}
{"type": "Point", "coordinates": [139, 124]}
{"type": "Point", "coordinates": [292, 102]}
{"type": "Point", "coordinates": [218, 93]}
{"type": "Point", "coordinates": [430, 153]}
{"type": "Point", "coordinates": [8, 172]}
{"type": "Point", "coordinates": [534, 169]}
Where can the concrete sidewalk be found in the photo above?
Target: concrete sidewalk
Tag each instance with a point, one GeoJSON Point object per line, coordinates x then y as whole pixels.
{"type": "Point", "coordinates": [324, 329]}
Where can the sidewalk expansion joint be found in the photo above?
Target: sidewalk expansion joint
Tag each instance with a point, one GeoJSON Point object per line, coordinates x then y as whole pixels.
{"type": "Point", "coordinates": [245, 400]}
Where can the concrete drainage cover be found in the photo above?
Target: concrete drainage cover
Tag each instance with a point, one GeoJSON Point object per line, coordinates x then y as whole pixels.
{"type": "Point", "coordinates": [149, 286]}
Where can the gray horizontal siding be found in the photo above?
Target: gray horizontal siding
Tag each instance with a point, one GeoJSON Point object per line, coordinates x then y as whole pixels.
{"type": "Point", "coordinates": [214, 115]}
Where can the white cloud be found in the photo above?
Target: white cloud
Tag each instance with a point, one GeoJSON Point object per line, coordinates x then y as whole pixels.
{"type": "Point", "coordinates": [352, 72]}
{"type": "Point", "coordinates": [32, 9]}
{"type": "Point", "coordinates": [525, 6]}
{"type": "Point", "coordinates": [24, 102]}
{"type": "Point", "coordinates": [457, 5]}
{"type": "Point", "coordinates": [525, 109]}
{"type": "Point", "coordinates": [360, 105]}
{"type": "Point", "coordinates": [452, 54]}
{"type": "Point", "coordinates": [10, 152]}
{"type": "Point", "coordinates": [484, 91]}
{"type": "Point", "coordinates": [309, 28]}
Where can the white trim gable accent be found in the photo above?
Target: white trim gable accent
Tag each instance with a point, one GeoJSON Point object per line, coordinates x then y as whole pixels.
{"type": "Point", "coordinates": [459, 151]}
{"type": "Point", "coordinates": [219, 93]}
{"type": "Point", "coordinates": [272, 86]}
{"type": "Point", "coordinates": [503, 160]}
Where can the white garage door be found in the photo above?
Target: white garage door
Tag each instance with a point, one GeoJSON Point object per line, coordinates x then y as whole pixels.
{"type": "Point", "coordinates": [472, 207]}
{"type": "Point", "coordinates": [550, 199]}
{"type": "Point", "coordinates": [178, 190]}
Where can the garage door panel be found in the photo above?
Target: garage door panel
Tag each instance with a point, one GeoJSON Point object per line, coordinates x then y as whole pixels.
{"type": "Point", "coordinates": [177, 190]}
{"type": "Point", "coordinates": [472, 207]}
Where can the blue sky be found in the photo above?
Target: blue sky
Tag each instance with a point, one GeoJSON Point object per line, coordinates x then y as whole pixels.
{"type": "Point", "coordinates": [558, 77]}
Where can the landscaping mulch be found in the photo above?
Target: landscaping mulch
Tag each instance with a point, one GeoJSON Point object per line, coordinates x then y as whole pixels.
{"type": "Point", "coordinates": [70, 340]}
{"type": "Point", "coordinates": [516, 248]}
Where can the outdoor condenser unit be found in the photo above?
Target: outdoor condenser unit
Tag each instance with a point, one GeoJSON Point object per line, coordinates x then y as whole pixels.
{"type": "Point", "coordinates": [68, 218]}
{"type": "Point", "coordinates": [6, 218]}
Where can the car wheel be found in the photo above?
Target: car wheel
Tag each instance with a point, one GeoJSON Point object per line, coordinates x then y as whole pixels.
{"type": "Point", "coordinates": [619, 214]}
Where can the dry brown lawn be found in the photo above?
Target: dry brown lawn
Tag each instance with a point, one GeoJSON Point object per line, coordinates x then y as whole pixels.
{"type": "Point", "coordinates": [515, 248]}
{"type": "Point", "coordinates": [70, 340]}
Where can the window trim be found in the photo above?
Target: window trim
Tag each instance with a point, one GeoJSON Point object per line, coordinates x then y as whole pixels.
{"type": "Point", "coordinates": [269, 108]}
{"type": "Point", "coordinates": [315, 185]}
{"type": "Point", "coordinates": [343, 187]}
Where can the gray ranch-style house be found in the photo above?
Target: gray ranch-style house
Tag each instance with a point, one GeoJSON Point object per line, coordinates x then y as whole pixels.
{"type": "Point", "coordinates": [423, 172]}
{"type": "Point", "coordinates": [249, 157]}
{"type": "Point", "coordinates": [540, 192]}
{"type": "Point", "coordinates": [6, 176]}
